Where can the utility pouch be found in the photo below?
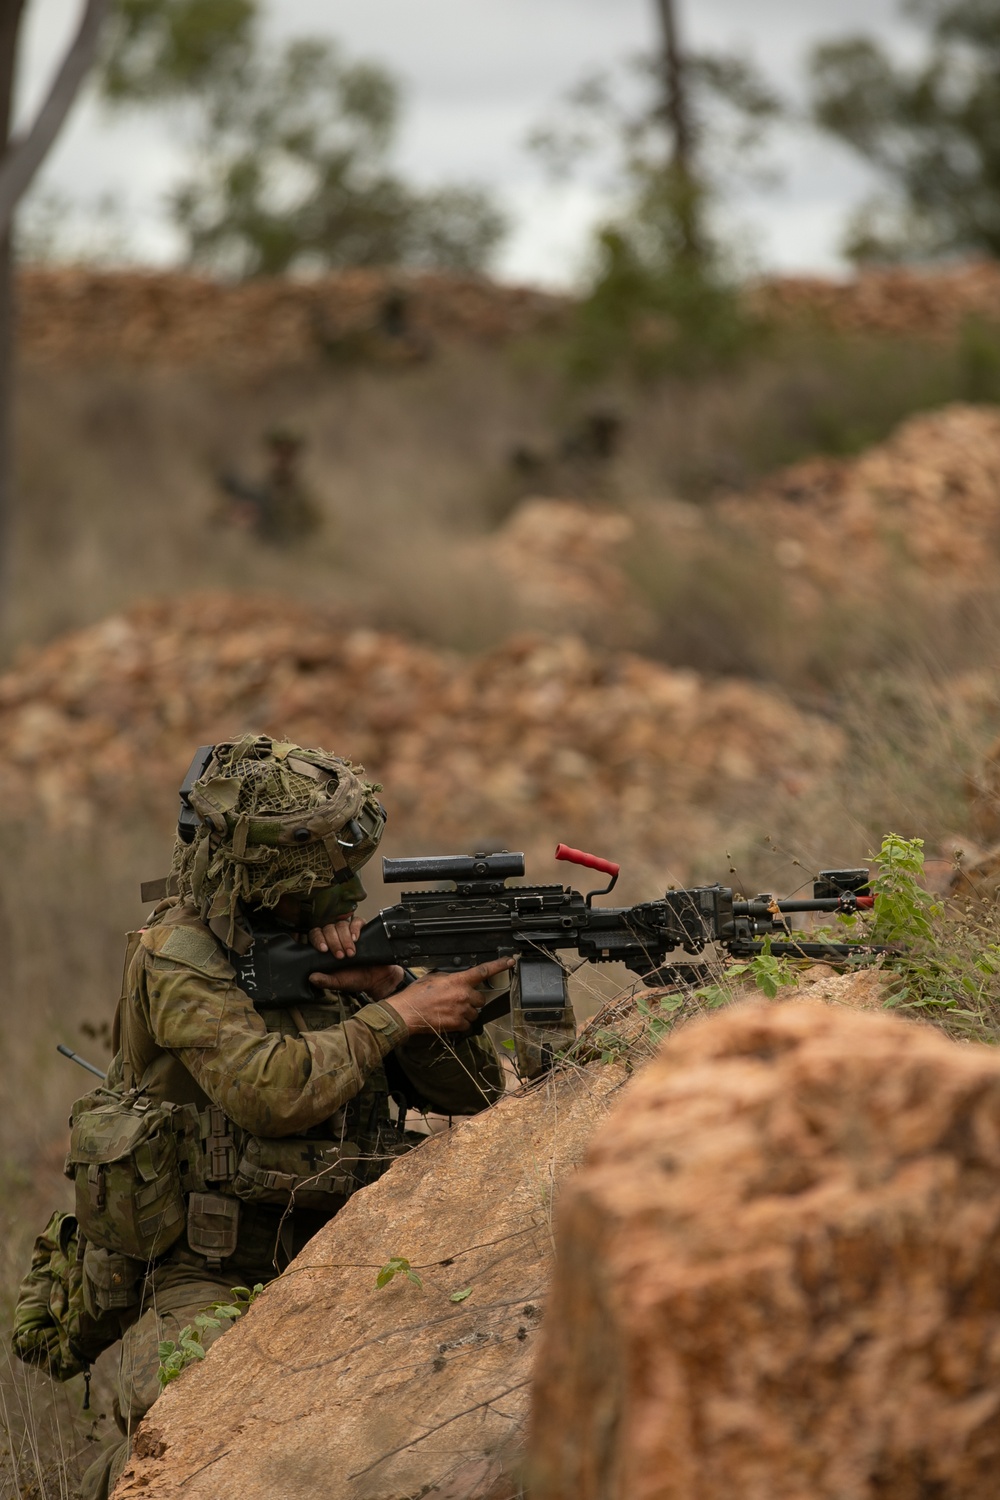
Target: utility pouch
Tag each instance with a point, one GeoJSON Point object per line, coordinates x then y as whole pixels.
{"type": "Point", "coordinates": [110, 1281]}
{"type": "Point", "coordinates": [299, 1170]}
{"type": "Point", "coordinates": [123, 1159]}
{"type": "Point", "coordinates": [213, 1225]}
{"type": "Point", "coordinates": [55, 1325]}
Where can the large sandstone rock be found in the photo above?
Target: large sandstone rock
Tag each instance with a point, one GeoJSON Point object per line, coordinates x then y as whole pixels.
{"type": "Point", "coordinates": [331, 1387]}
{"type": "Point", "coordinates": [778, 1276]}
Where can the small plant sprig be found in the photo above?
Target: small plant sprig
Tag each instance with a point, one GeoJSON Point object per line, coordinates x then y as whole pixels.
{"type": "Point", "coordinates": [947, 964]}
{"type": "Point", "coordinates": [660, 1022]}
{"type": "Point", "coordinates": [905, 911]}
{"type": "Point", "coordinates": [189, 1346]}
{"type": "Point", "coordinates": [768, 971]}
{"type": "Point", "coordinates": [397, 1265]}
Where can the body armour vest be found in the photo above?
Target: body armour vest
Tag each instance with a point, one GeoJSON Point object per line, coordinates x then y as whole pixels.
{"type": "Point", "coordinates": [152, 1159]}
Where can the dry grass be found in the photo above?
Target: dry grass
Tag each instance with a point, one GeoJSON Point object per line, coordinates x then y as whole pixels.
{"type": "Point", "coordinates": [116, 467]}
{"type": "Point", "coordinates": [62, 914]}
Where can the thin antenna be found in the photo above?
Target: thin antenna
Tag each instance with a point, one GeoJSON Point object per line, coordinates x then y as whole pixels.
{"type": "Point", "coordinates": [75, 1057]}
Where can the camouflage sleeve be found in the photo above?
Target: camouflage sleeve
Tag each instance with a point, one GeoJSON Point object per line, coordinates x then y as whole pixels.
{"type": "Point", "coordinates": [459, 1076]}
{"type": "Point", "coordinates": [271, 1085]}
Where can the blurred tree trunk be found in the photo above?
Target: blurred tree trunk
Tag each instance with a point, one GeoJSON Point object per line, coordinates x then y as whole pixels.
{"type": "Point", "coordinates": [675, 101]}
{"type": "Point", "coordinates": [20, 160]}
{"type": "Point", "coordinates": [10, 25]}
{"type": "Point", "coordinates": [677, 115]}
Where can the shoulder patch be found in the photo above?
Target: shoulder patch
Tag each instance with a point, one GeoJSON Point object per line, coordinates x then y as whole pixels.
{"type": "Point", "coordinates": [193, 946]}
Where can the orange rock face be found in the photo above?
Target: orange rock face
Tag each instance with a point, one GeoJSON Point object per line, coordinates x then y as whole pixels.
{"type": "Point", "coordinates": [645, 761]}
{"type": "Point", "coordinates": [777, 1274]}
{"type": "Point", "coordinates": [920, 507]}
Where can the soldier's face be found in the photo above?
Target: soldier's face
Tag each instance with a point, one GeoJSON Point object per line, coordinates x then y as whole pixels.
{"type": "Point", "coordinates": [322, 905]}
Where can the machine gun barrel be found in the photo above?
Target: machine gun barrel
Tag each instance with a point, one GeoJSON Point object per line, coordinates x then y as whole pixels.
{"type": "Point", "coordinates": [845, 904]}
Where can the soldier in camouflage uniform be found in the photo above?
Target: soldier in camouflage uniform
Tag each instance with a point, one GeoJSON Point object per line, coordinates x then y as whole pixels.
{"type": "Point", "coordinates": [293, 1102]}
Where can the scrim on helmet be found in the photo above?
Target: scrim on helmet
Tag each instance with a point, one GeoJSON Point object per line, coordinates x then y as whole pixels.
{"type": "Point", "coordinates": [271, 818]}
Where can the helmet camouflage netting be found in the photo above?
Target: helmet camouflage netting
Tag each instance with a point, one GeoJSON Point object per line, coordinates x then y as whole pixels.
{"type": "Point", "coordinates": [275, 819]}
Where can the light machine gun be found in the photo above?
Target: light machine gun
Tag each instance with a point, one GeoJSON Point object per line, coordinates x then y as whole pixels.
{"type": "Point", "coordinates": [478, 916]}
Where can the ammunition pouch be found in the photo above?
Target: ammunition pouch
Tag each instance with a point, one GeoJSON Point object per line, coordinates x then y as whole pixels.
{"type": "Point", "coordinates": [124, 1158]}
{"type": "Point", "coordinates": [542, 1020]}
{"type": "Point", "coordinates": [110, 1281]}
{"type": "Point", "coordinates": [212, 1160]}
{"type": "Point", "coordinates": [213, 1225]}
{"type": "Point", "coordinates": [145, 1170]}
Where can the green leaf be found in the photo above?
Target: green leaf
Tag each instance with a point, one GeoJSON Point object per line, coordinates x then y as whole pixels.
{"type": "Point", "coordinates": [460, 1296]}
{"type": "Point", "coordinates": [393, 1266]}
{"type": "Point", "coordinates": [508, 1044]}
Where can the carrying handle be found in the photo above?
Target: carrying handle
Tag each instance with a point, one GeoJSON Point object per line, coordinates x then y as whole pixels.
{"type": "Point", "coordinates": [591, 862]}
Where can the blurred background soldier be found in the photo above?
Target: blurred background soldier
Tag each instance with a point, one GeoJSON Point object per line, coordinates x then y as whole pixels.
{"type": "Point", "coordinates": [278, 509]}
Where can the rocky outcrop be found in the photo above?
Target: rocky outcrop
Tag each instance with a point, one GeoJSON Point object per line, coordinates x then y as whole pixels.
{"type": "Point", "coordinates": [919, 508]}
{"type": "Point", "coordinates": [564, 566]}
{"type": "Point", "coordinates": [331, 1386]}
{"type": "Point", "coordinates": [778, 1274]}
{"type": "Point", "coordinates": [78, 315]}
{"type": "Point", "coordinates": [889, 300]}
{"type": "Point", "coordinates": [647, 762]}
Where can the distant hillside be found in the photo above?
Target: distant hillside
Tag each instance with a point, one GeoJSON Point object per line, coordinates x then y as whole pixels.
{"type": "Point", "coordinates": [71, 315]}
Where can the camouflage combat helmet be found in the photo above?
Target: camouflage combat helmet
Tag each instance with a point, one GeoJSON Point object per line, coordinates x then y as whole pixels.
{"type": "Point", "coordinates": [273, 819]}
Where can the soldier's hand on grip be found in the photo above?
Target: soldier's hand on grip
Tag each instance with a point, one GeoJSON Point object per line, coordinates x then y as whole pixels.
{"type": "Point", "coordinates": [377, 980]}
{"type": "Point", "coordinates": [447, 1002]}
{"type": "Point", "coordinates": [337, 937]}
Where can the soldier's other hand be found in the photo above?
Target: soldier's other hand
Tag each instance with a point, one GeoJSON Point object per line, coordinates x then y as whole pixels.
{"type": "Point", "coordinates": [377, 980]}
{"type": "Point", "coordinates": [338, 938]}
{"type": "Point", "coordinates": [447, 1002]}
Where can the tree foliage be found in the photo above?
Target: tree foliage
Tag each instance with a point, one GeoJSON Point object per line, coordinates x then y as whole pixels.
{"type": "Point", "coordinates": [156, 49]}
{"type": "Point", "coordinates": [663, 289]}
{"type": "Point", "coordinates": [290, 148]}
{"type": "Point", "coordinates": [931, 130]}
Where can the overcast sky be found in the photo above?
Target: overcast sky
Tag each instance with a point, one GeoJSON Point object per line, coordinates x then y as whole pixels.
{"type": "Point", "coordinates": [478, 75]}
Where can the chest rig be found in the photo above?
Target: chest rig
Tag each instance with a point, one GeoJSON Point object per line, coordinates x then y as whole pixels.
{"type": "Point", "coordinates": [148, 1171]}
{"type": "Point", "coordinates": [362, 1135]}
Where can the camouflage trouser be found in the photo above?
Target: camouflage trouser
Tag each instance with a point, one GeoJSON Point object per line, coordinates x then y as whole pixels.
{"type": "Point", "coordinates": [175, 1295]}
